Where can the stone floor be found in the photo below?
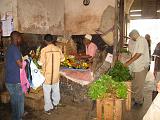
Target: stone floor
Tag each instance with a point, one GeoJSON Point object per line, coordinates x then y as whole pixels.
{"type": "Point", "coordinates": [82, 111]}
{"type": "Point", "coordinates": [137, 114]}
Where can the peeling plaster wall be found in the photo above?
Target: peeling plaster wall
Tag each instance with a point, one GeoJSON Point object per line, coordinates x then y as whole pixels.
{"type": "Point", "coordinates": [5, 5]}
{"type": "Point", "coordinates": [56, 16]}
{"type": "Point", "coordinates": [41, 16]}
{"type": "Point", "coordinates": [80, 19]}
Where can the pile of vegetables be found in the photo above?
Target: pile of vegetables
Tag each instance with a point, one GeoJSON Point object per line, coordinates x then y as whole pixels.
{"type": "Point", "coordinates": [71, 62]}
{"type": "Point", "coordinates": [119, 72]}
{"type": "Point", "coordinates": [105, 86]}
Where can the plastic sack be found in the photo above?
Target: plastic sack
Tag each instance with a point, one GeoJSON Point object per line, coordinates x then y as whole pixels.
{"type": "Point", "coordinates": [37, 77]}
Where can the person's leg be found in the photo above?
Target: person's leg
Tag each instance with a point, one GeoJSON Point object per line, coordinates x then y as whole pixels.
{"type": "Point", "coordinates": [17, 100]}
{"type": "Point", "coordinates": [47, 97]}
{"type": "Point", "coordinates": [55, 93]}
{"type": "Point", "coordinates": [11, 90]}
{"type": "Point", "coordinates": [139, 85]}
{"type": "Point", "coordinates": [20, 96]}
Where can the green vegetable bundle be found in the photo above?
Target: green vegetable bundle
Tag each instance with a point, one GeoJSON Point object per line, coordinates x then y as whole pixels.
{"type": "Point", "coordinates": [123, 50]}
{"type": "Point", "coordinates": [119, 72]}
{"type": "Point", "coordinates": [105, 86]}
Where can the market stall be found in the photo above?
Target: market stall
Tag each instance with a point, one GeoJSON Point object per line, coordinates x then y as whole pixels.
{"type": "Point", "coordinates": [75, 77]}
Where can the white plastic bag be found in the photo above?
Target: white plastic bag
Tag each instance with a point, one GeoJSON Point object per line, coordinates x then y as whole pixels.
{"type": "Point", "coordinates": [153, 112]}
{"type": "Point", "coordinates": [37, 77]}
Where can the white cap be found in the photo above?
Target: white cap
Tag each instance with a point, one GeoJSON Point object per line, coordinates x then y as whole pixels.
{"type": "Point", "coordinates": [89, 37]}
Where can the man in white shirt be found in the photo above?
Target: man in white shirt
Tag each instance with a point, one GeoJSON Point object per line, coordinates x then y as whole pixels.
{"type": "Point", "coordinates": [138, 64]}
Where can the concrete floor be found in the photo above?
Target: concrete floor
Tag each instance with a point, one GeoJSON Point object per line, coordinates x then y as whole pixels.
{"type": "Point", "coordinates": [74, 111]}
{"type": "Point", "coordinates": [137, 114]}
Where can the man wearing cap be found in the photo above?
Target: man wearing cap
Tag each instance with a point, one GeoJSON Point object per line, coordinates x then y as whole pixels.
{"type": "Point", "coordinates": [138, 64]}
{"type": "Point", "coordinates": [90, 46]}
{"type": "Point", "coordinates": [50, 59]}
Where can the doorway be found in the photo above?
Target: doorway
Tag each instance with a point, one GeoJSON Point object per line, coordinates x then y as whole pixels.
{"type": "Point", "coordinates": [147, 26]}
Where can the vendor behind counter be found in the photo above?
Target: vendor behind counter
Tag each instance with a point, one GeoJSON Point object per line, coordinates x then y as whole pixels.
{"type": "Point", "coordinates": [96, 38]}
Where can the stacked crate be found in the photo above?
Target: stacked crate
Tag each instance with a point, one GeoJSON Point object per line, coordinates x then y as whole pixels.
{"type": "Point", "coordinates": [110, 109]}
{"type": "Point", "coordinates": [128, 99]}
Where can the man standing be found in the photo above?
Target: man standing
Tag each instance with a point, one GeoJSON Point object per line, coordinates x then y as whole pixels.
{"type": "Point", "coordinates": [50, 59]}
{"type": "Point", "coordinates": [138, 64]}
{"type": "Point", "coordinates": [13, 65]}
{"type": "Point", "coordinates": [156, 55]}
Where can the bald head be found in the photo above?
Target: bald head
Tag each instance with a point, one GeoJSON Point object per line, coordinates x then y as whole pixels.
{"type": "Point", "coordinates": [16, 37]}
{"type": "Point", "coordinates": [134, 34]}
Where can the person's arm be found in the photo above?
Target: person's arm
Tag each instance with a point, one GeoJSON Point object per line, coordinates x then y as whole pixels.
{"type": "Point", "coordinates": [19, 63]}
{"type": "Point", "coordinates": [85, 56]}
{"type": "Point", "coordinates": [130, 61]}
{"type": "Point", "coordinates": [17, 57]}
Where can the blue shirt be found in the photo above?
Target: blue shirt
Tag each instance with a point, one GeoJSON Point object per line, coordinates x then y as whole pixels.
{"type": "Point", "coordinates": [12, 69]}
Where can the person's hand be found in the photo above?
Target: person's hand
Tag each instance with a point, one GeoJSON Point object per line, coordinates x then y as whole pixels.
{"type": "Point", "coordinates": [78, 56]}
{"type": "Point", "coordinates": [90, 59]}
{"type": "Point", "coordinates": [126, 64]}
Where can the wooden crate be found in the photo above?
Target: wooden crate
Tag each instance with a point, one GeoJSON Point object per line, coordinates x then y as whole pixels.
{"type": "Point", "coordinates": [128, 99]}
{"type": "Point", "coordinates": [5, 97]}
{"type": "Point", "coordinates": [35, 100]}
{"type": "Point", "coordinates": [109, 109]}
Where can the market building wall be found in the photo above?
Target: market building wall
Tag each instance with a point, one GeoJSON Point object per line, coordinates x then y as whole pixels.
{"type": "Point", "coordinates": [80, 19]}
{"type": "Point", "coordinates": [41, 16]}
{"type": "Point", "coordinates": [5, 6]}
{"type": "Point", "coordinates": [59, 17]}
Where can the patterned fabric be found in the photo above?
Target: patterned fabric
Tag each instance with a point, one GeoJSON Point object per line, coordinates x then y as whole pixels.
{"type": "Point", "coordinates": [80, 76]}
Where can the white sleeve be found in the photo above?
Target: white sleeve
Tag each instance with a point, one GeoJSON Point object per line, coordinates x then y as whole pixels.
{"type": "Point", "coordinates": [140, 46]}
